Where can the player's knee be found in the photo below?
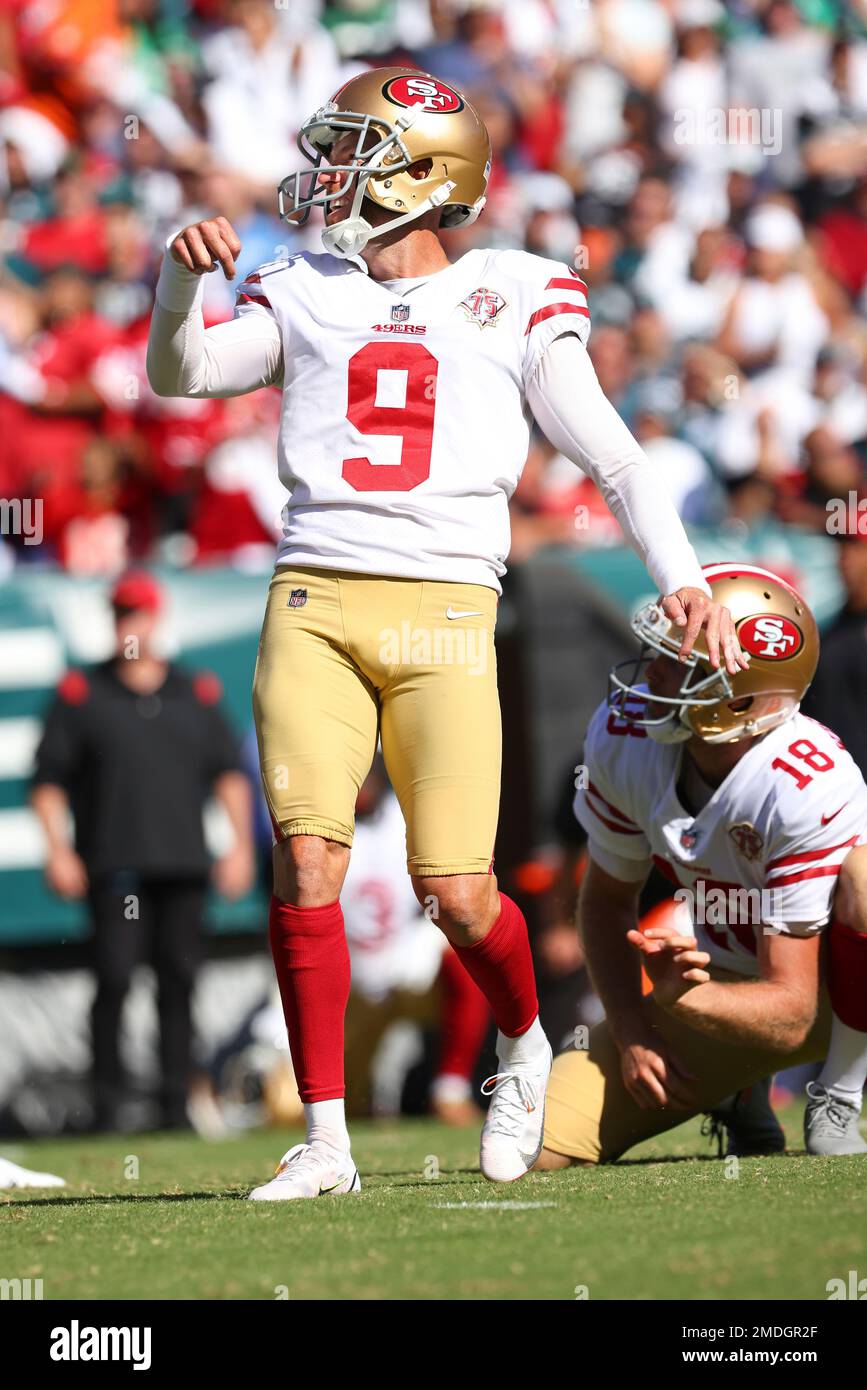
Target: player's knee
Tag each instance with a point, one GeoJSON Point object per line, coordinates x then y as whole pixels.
{"type": "Point", "coordinates": [850, 898]}
{"type": "Point", "coordinates": [463, 906]}
{"type": "Point", "coordinates": [309, 870]}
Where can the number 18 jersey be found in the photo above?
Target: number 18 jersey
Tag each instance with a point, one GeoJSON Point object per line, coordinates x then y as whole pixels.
{"type": "Point", "coordinates": [404, 426]}
{"type": "Point", "coordinates": [781, 822]}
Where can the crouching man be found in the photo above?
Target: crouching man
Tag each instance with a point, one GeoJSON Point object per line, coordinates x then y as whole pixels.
{"type": "Point", "coordinates": [755, 813]}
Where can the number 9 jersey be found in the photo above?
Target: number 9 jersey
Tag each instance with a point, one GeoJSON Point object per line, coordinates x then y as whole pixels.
{"type": "Point", "coordinates": [404, 425]}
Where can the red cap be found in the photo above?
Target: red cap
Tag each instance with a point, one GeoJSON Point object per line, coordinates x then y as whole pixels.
{"type": "Point", "coordinates": [137, 590]}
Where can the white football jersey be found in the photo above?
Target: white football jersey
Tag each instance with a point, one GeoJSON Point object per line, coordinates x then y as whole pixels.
{"type": "Point", "coordinates": [782, 822]}
{"type": "Point", "coordinates": [404, 427]}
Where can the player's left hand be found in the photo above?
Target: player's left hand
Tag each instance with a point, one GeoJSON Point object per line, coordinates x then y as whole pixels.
{"type": "Point", "coordinates": [672, 962]}
{"type": "Point", "coordinates": [692, 610]}
{"type": "Point", "coordinates": [234, 872]}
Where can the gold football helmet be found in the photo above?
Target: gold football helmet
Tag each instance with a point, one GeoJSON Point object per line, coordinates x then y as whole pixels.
{"type": "Point", "coordinates": [419, 145]}
{"type": "Point", "coordinates": [774, 626]}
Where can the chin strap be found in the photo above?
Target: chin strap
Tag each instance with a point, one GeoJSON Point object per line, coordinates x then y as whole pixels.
{"type": "Point", "coordinates": [672, 731]}
{"type": "Point", "coordinates": [349, 237]}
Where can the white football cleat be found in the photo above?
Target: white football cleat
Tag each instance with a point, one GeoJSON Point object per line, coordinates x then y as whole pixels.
{"type": "Point", "coordinates": [13, 1176]}
{"type": "Point", "coordinates": [512, 1132]}
{"type": "Point", "coordinates": [831, 1124]}
{"type": "Point", "coordinates": [309, 1170]}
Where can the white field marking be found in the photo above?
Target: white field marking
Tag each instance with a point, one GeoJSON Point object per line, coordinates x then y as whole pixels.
{"type": "Point", "coordinates": [492, 1207]}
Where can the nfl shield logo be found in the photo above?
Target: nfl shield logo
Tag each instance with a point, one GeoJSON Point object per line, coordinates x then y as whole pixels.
{"type": "Point", "coordinates": [399, 313]}
{"type": "Point", "coordinates": [297, 598]}
{"type": "Point", "coordinates": [688, 839]}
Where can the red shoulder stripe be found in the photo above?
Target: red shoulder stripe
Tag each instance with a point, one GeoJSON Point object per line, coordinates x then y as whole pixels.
{"type": "Point", "coordinates": [253, 298]}
{"type": "Point", "coordinates": [823, 871]}
{"type": "Point", "coordinates": [613, 809]}
{"type": "Point", "coordinates": [612, 824]}
{"type": "Point", "coordinates": [563, 284]}
{"type": "Point", "coordinates": [551, 309]}
{"type": "Point", "coordinates": [807, 856]}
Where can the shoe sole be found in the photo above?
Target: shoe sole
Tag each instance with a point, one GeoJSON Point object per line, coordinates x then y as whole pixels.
{"type": "Point", "coordinates": [834, 1153]}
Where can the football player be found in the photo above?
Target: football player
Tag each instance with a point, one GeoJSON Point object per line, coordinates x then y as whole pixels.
{"type": "Point", "coordinates": [408, 385]}
{"type": "Point", "coordinates": [755, 813]}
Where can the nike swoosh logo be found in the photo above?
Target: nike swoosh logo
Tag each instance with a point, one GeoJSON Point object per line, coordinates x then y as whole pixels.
{"type": "Point", "coordinates": [826, 820]}
{"type": "Point", "coordinates": [453, 613]}
{"type": "Point", "coordinates": [530, 1159]}
{"type": "Point", "coordinates": [323, 1191]}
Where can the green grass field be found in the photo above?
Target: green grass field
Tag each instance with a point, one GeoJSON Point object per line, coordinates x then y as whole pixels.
{"type": "Point", "coordinates": [666, 1224]}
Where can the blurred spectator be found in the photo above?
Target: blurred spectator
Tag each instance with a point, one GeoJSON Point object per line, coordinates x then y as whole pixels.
{"type": "Point", "coordinates": [843, 238]}
{"type": "Point", "coordinates": [773, 71]}
{"type": "Point", "coordinates": [832, 470]}
{"type": "Point", "coordinates": [686, 472]}
{"type": "Point", "coordinates": [774, 318]}
{"type": "Point", "coordinates": [266, 79]}
{"type": "Point", "coordinates": [132, 749]}
{"type": "Point", "coordinates": [50, 410]}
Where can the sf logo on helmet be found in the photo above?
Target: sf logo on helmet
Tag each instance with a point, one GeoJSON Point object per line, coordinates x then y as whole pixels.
{"type": "Point", "coordinates": [770, 636]}
{"type": "Point", "coordinates": [427, 92]}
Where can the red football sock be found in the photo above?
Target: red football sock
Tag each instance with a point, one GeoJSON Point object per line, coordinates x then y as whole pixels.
{"type": "Point", "coordinates": [465, 1018]}
{"type": "Point", "coordinates": [847, 975]}
{"type": "Point", "coordinates": [502, 967]}
{"type": "Point", "coordinates": [311, 959]}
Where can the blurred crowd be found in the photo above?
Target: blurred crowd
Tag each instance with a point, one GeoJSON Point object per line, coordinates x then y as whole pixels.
{"type": "Point", "coordinates": [708, 162]}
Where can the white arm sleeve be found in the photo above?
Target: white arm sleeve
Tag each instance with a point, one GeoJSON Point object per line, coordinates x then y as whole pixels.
{"type": "Point", "coordinates": [186, 359]}
{"type": "Point", "coordinates": [570, 406]}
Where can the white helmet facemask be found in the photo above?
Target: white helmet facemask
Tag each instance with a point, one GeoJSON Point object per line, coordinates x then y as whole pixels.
{"type": "Point", "coordinates": [630, 699]}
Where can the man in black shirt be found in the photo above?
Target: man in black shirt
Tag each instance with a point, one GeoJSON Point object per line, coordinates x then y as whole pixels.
{"type": "Point", "coordinates": [838, 695]}
{"type": "Point", "coordinates": [133, 748]}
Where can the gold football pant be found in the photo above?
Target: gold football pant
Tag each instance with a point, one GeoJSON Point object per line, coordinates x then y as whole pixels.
{"type": "Point", "coordinates": [590, 1116]}
{"type": "Point", "coordinates": [345, 658]}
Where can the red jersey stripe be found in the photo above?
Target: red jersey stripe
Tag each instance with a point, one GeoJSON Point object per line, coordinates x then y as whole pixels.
{"type": "Point", "coordinates": [613, 809]}
{"type": "Point", "coordinates": [576, 285]}
{"type": "Point", "coordinates": [254, 298]}
{"type": "Point", "coordinates": [807, 855]}
{"type": "Point", "coordinates": [612, 824]}
{"type": "Point", "coordinates": [551, 309]}
{"type": "Point", "coordinates": [823, 871]}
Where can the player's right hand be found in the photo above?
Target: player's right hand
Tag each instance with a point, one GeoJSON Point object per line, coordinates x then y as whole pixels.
{"type": "Point", "coordinates": [672, 961]}
{"type": "Point", "coordinates": [65, 873]}
{"type": "Point", "coordinates": [203, 246]}
{"type": "Point", "coordinates": [654, 1077]}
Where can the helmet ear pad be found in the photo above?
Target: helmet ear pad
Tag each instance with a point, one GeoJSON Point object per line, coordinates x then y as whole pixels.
{"type": "Point", "coordinates": [761, 713]}
{"type": "Point", "coordinates": [408, 188]}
